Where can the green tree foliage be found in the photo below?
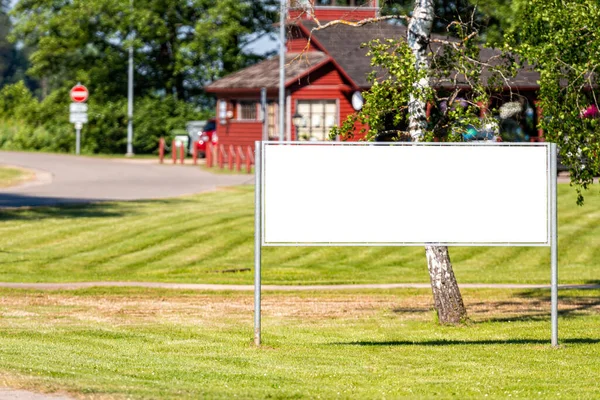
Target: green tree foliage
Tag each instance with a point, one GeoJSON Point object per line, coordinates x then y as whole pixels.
{"type": "Point", "coordinates": [490, 17]}
{"type": "Point", "coordinates": [455, 104]}
{"type": "Point", "coordinates": [561, 39]}
{"type": "Point", "coordinates": [30, 124]}
{"type": "Point", "coordinates": [180, 44]}
{"type": "Point", "coordinates": [13, 62]}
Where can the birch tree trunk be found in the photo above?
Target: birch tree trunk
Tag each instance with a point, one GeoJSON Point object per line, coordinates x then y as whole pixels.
{"type": "Point", "coordinates": [446, 295]}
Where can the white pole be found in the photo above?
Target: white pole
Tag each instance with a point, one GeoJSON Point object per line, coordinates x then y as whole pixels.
{"type": "Point", "coordinates": [257, 240]}
{"type": "Point", "coordinates": [263, 106]}
{"type": "Point", "coordinates": [77, 138]}
{"type": "Point", "coordinates": [130, 97]}
{"type": "Point", "coordinates": [282, 18]}
{"type": "Point", "coordinates": [554, 246]}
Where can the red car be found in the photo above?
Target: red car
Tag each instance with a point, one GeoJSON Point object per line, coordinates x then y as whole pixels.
{"type": "Point", "coordinates": [208, 133]}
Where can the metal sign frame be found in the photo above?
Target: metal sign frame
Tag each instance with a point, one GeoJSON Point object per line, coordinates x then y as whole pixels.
{"type": "Point", "coordinates": [552, 232]}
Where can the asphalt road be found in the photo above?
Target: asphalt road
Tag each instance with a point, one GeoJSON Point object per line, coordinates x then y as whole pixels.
{"type": "Point", "coordinates": [67, 179]}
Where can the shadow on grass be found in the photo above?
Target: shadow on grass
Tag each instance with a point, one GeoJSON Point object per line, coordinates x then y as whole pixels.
{"type": "Point", "coordinates": [527, 306]}
{"type": "Point", "coordinates": [69, 209]}
{"type": "Point", "coordinates": [538, 308]}
{"type": "Point", "coordinates": [442, 342]}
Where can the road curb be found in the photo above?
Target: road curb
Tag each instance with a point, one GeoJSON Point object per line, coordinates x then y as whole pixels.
{"type": "Point", "coordinates": [246, 288]}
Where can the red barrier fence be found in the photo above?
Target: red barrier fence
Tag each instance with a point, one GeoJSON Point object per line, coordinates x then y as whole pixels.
{"type": "Point", "coordinates": [209, 155]}
{"type": "Point", "coordinates": [195, 152]}
{"type": "Point", "coordinates": [232, 156]}
{"type": "Point", "coordinates": [219, 155]}
{"type": "Point", "coordinates": [161, 150]}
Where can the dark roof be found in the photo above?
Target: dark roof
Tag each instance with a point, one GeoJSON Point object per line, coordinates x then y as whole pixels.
{"type": "Point", "coordinates": [344, 44]}
{"type": "Point", "coordinates": [266, 73]}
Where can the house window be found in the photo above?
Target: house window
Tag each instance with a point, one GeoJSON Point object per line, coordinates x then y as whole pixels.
{"type": "Point", "coordinates": [299, 3]}
{"type": "Point", "coordinates": [272, 120]}
{"type": "Point", "coordinates": [351, 3]}
{"type": "Point", "coordinates": [247, 110]}
{"type": "Point", "coordinates": [319, 116]}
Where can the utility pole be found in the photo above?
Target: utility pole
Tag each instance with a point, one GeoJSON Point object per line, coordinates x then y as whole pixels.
{"type": "Point", "coordinates": [282, 18]}
{"type": "Point", "coordinates": [130, 92]}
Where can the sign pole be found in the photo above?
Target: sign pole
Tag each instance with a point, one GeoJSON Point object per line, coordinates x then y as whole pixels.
{"type": "Point", "coordinates": [257, 240]}
{"type": "Point", "coordinates": [78, 112]}
{"type": "Point", "coordinates": [282, 17]}
{"type": "Point", "coordinates": [78, 127]}
{"type": "Point", "coordinates": [130, 98]}
{"type": "Point", "coordinates": [263, 106]}
{"type": "Point", "coordinates": [554, 245]}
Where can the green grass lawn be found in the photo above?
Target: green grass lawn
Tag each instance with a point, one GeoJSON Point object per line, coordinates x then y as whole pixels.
{"type": "Point", "coordinates": [133, 343]}
{"type": "Point", "coordinates": [10, 176]}
{"type": "Point", "coordinates": [209, 238]}
{"type": "Point", "coordinates": [225, 170]}
{"type": "Point", "coordinates": [115, 343]}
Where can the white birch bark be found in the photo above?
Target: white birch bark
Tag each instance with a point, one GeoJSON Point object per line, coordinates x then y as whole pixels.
{"type": "Point", "coordinates": [419, 31]}
{"type": "Point", "coordinates": [446, 294]}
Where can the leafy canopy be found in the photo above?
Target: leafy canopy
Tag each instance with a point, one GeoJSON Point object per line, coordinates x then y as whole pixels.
{"type": "Point", "coordinates": [561, 39]}
{"type": "Point", "coordinates": [180, 44]}
{"type": "Point", "coordinates": [457, 93]}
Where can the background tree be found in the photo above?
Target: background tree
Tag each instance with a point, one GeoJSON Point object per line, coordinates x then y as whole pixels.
{"type": "Point", "coordinates": [405, 72]}
{"type": "Point", "coordinates": [490, 17]}
{"type": "Point", "coordinates": [561, 40]}
{"type": "Point", "coordinates": [13, 61]}
{"type": "Point", "coordinates": [181, 45]}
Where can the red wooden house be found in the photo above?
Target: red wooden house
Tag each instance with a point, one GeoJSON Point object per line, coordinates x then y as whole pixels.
{"type": "Point", "coordinates": [320, 78]}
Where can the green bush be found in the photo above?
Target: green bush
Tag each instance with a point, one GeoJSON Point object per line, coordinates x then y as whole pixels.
{"type": "Point", "coordinates": [26, 124]}
{"type": "Point", "coordinates": [17, 102]}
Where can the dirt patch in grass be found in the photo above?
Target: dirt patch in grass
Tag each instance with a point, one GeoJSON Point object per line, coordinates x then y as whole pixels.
{"type": "Point", "coordinates": [216, 309]}
{"type": "Point", "coordinates": [12, 176]}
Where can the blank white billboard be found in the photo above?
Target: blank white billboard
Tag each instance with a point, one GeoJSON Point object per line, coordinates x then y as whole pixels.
{"type": "Point", "coordinates": [405, 194]}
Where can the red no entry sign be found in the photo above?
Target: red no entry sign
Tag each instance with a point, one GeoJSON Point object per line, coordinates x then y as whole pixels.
{"type": "Point", "coordinates": [79, 93]}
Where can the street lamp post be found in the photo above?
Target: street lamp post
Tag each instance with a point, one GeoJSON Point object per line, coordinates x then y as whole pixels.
{"type": "Point", "coordinates": [282, 17]}
{"type": "Point", "coordinates": [297, 119]}
{"type": "Point", "coordinates": [130, 94]}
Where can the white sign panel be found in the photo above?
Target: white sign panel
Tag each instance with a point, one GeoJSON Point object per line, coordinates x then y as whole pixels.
{"type": "Point", "coordinates": [78, 107]}
{"type": "Point", "coordinates": [81, 118]}
{"type": "Point", "coordinates": [405, 194]}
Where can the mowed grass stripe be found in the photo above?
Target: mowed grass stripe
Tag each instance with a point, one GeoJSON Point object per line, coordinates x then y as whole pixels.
{"type": "Point", "coordinates": [102, 256]}
{"type": "Point", "coordinates": [168, 251]}
{"type": "Point", "coordinates": [209, 238]}
{"type": "Point", "coordinates": [64, 230]}
{"type": "Point", "coordinates": [132, 254]}
{"type": "Point", "coordinates": [81, 240]}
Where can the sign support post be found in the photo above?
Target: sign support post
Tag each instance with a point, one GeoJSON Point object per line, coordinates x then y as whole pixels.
{"type": "Point", "coordinates": [263, 107]}
{"type": "Point", "coordinates": [78, 126]}
{"type": "Point", "coordinates": [280, 189]}
{"type": "Point", "coordinates": [257, 239]}
{"type": "Point", "coordinates": [78, 112]}
{"type": "Point", "coordinates": [553, 246]}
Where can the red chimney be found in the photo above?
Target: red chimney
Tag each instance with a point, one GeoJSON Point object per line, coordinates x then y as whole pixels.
{"type": "Point", "coordinates": [330, 10]}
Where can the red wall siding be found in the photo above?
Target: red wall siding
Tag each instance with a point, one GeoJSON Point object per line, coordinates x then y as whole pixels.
{"type": "Point", "coordinates": [351, 14]}
{"type": "Point", "coordinates": [297, 41]}
{"type": "Point", "coordinates": [325, 83]}
{"type": "Point", "coordinates": [298, 45]}
{"type": "Point", "coordinates": [240, 133]}
{"type": "Point", "coordinates": [327, 13]}
{"type": "Point", "coordinates": [340, 93]}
